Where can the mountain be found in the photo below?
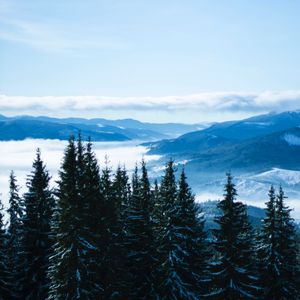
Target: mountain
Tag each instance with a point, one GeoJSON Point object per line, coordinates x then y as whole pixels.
{"type": "Point", "coordinates": [258, 151]}
{"type": "Point", "coordinates": [21, 127]}
{"type": "Point", "coordinates": [256, 126]}
{"type": "Point", "coordinates": [233, 146]}
{"type": "Point", "coordinates": [219, 155]}
{"type": "Point", "coordinates": [166, 129]}
{"type": "Point", "coordinates": [226, 133]}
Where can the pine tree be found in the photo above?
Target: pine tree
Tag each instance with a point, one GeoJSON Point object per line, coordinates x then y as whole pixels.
{"type": "Point", "coordinates": [279, 266]}
{"type": "Point", "coordinates": [140, 238]}
{"type": "Point", "coordinates": [178, 278]}
{"type": "Point", "coordinates": [194, 238]}
{"type": "Point", "coordinates": [287, 249]}
{"type": "Point", "coordinates": [69, 273]}
{"type": "Point", "coordinates": [14, 246]}
{"type": "Point", "coordinates": [120, 195]}
{"type": "Point", "coordinates": [36, 240]}
{"type": "Point", "coordinates": [267, 261]}
{"type": "Point", "coordinates": [109, 218]}
{"type": "Point", "coordinates": [231, 271]}
{"type": "Point", "coordinates": [5, 282]}
{"type": "Point", "coordinates": [95, 230]}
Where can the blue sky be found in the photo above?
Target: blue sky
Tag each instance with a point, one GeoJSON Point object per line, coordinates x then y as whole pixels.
{"type": "Point", "coordinates": [147, 50]}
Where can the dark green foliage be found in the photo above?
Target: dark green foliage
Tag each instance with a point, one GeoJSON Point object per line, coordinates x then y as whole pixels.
{"type": "Point", "coordinates": [231, 271]}
{"type": "Point", "coordinates": [36, 241]}
{"type": "Point", "coordinates": [95, 230]}
{"type": "Point", "coordinates": [193, 237]}
{"type": "Point", "coordinates": [69, 273]}
{"type": "Point", "coordinates": [14, 246]}
{"type": "Point", "coordinates": [278, 262]}
{"type": "Point", "coordinates": [140, 245]}
{"type": "Point", "coordinates": [181, 240]}
{"type": "Point", "coordinates": [119, 194]}
{"type": "Point", "coordinates": [4, 270]}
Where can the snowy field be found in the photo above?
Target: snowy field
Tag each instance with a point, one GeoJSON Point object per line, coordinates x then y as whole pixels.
{"type": "Point", "coordinates": [19, 155]}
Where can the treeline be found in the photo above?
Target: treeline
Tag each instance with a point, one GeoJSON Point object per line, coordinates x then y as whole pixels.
{"type": "Point", "coordinates": [103, 235]}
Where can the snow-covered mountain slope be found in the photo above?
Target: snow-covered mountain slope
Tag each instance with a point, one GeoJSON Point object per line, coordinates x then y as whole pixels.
{"type": "Point", "coordinates": [253, 189]}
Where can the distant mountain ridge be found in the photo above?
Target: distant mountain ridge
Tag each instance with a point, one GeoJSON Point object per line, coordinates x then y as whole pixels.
{"type": "Point", "coordinates": [252, 145]}
{"type": "Point", "coordinates": [22, 127]}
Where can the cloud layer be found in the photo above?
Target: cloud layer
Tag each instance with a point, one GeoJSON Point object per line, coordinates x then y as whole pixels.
{"type": "Point", "coordinates": [217, 102]}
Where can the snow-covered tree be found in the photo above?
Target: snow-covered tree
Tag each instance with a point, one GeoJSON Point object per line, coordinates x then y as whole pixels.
{"type": "Point", "coordinates": [278, 262]}
{"type": "Point", "coordinates": [36, 239]}
{"type": "Point", "coordinates": [95, 232]}
{"type": "Point", "coordinates": [5, 282]}
{"type": "Point", "coordinates": [69, 273]}
{"type": "Point", "coordinates": [140, 238]}
{"type": "Point", "coordinates": [231, 271]}
{"type": "Point", "coordinates": [14, 246]}
{"type": "Point", "coordinates": [181, 240]}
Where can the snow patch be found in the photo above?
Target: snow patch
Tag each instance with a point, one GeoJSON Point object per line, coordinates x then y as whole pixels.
{"type": "Point", "coordinates": [291, 139]}
{"type": "Point", "coordinates": [259, 123]}
{"type": "Point", "coordinates": [279, 176]}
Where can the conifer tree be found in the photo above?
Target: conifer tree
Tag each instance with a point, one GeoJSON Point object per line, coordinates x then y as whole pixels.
{"type": "Point", "coordinates": [115, 193]}
{"type": "Point", "coordinates": [96, 233]}
{"type": "Point", "coordinates": [109, 218]}
{"type": "Point", "coordinates": [267, 261]}
{"type": "Point", "coordinates": [120, 194]}
{"type": "Point", "coordinates": [140, 238]}
{"type": "Point", "coordinates": [279, 265]}
{"type": "Point", "coordinates": [231, 271]}
{"type": "Point", "coordinates": [69, 273]}
{"type": "Point", "coordinates": [177, 243]}
{"type": "Point", "coordinates": [288, 250]}
{"type": "Point", "coordinates": [14, 246]}
{"type": "Point", "coordinates": [193, 237]}
{"type": "Point", "coordinates": [5, 292]}
{"type": "Point", "coordinates": [36, 240]}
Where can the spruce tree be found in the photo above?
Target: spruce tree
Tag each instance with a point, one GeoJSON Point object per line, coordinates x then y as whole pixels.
{"type": "Point", "coordinates": [140, 238]}
{"type": "Point", "coordinates": [108, 219]}
{"type": "Point", "coordinates": [69, 273]}
{"type": "Point", "coordinates": [5, 282]}
{"type": "Point", "coordinates": [120, 194]}
{"type": "Point", "coordinates": [232, 269]}
{"type": "Point", "coordinates": [267, 260]}
{"type": "Point", "coordinates": [178, 278]}
{"type": "Point", "coordinates": [193, 237]}
{"type": "Point", "coordinates": [287, 249]}
{"type": "Point", "coordinates": [279, 265]}
{"type": "Point", "coordinates": [36, 241]}
{"type": "Point", "coordinates": [14, 246]}
{"type": "Point", "coordinates": [96, 233]}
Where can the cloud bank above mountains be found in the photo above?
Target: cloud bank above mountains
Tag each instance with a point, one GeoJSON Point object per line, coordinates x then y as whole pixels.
{"type": "Point", "coordinates": [197, 107]}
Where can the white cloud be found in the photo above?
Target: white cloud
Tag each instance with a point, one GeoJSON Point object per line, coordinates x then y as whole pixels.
{"type": "Point", "coordinates": [19, 155]}
{"type": "Point", "coordinates": [203, 103]}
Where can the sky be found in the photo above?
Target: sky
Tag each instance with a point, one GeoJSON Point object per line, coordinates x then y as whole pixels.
{"type": "Point", "coordinates": [172, 60]}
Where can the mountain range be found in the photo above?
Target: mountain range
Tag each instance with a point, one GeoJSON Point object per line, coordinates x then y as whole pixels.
{"type": "Point", "coordinates": [258, 151]}
{"type": "Point", "coordinates": [252, 145]}
{"type": "Point", "coordinates": [22, 127]}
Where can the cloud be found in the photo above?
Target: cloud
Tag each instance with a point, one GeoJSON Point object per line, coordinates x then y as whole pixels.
{"type": "Point", "coordinates": [203, 102]}
{"type": "Point", "coordinates": [19, 155]}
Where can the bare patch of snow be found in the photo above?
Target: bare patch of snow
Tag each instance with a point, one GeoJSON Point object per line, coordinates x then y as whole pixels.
{"type": "Point", "coordinates": [291, 139]}
{"type": "Point", "coordinates": [259, 123]}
